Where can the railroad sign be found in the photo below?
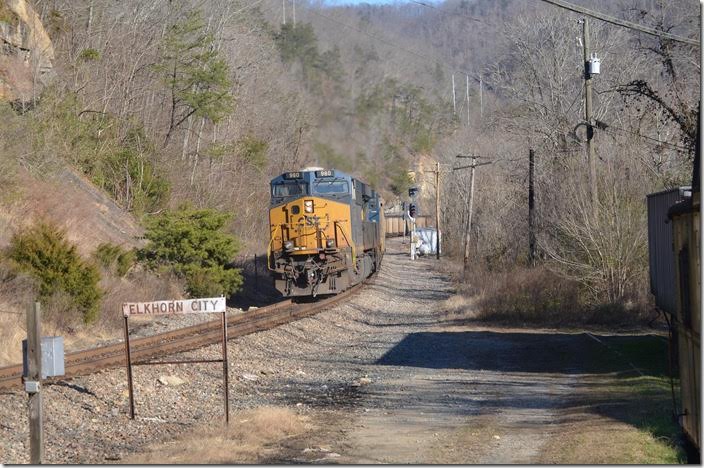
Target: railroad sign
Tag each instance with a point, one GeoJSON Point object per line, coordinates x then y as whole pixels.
{"type": "Point", "coordinates": [207, 305]}
{"type": "Point", "coordinates": [188, 306]}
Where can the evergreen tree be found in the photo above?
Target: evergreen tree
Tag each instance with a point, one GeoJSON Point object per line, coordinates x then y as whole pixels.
{"type": "Point", "coordinates": [191, 244]}
{"type": "Point", "coordinates": [194, 73]}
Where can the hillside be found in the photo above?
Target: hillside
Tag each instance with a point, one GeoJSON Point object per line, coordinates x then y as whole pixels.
{"type": "Point", "coordinates": [89, 216]}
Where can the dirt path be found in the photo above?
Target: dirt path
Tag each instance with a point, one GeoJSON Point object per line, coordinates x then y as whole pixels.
{"type": "Point", "coordinates": [470, 409]}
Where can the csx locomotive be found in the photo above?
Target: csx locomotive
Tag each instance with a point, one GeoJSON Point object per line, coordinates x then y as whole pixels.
{"type": "Point", "coordinates": [326, 232]}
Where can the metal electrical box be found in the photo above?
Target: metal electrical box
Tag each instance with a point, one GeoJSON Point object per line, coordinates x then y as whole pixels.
{"type": "Point", "coordinates": [594, 65]}
{"type": "Point", "coordinates": [429, 240]}
{"type": "Point", "coordinates": [52, 357]}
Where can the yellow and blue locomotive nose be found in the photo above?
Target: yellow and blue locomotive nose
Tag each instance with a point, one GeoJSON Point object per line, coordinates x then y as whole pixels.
{"type": "Point", "coordinates": [308, 225]}
{"type": "Point", "coordinates": [325, 232]}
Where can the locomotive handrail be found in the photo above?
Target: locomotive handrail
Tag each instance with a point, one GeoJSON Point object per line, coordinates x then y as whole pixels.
{"type": "Point", "coordinates": [268, 249]}
{"type": "Point", "coordinates": [354, 254]}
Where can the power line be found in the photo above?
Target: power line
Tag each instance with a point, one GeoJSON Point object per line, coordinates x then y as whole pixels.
{"type": "Point", "coordinates": [620, 22]}
{"type": "Point", "coordinates": [646, 137]}
{"type": "Point", "coordinates": [434, 7]}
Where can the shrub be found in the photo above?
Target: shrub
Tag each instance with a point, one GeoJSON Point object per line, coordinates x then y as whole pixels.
{"type": "Point", "coordinates": [106, 254]}
{"type": "Point", "coordinates": [43, 252]}
{"type": "Point", "coordinates": [89, 55]}
{"type": "Point", "coordinates": [113, 258]}
{"type": "Point", "coordinates": [131, 178]}
{"type": "Point", "coordinates": [191, 244]}
{"type": "Point", "coordinates": [400, 181]}
{"type": "Point", "coordinates": [125, 261]}
{"type": "Point", "coordinates": [253, 150]}
{"type": "Point", "coordinates": [212, 281]}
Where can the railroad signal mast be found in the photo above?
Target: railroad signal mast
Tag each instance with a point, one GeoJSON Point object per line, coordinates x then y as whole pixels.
{"type": "Point", "coordinates": [412, 212]}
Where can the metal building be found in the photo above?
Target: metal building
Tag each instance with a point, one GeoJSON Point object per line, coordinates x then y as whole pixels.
{"type": "Point", "coordinates": [660, 246]}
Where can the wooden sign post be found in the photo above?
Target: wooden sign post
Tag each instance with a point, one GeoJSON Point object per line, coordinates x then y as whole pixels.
{"type": "Point", "coordinates": [32, 384]}
{"type": "Point", "coordinates": [190, 306]}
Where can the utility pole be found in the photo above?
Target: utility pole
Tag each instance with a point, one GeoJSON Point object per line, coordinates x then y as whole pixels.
{"type": "Point", "coordinates": [437, 209]}
{"type": "Point", "coordinates": [294, 13]}
{"type": "Point", "coordinates": [468, 225]}
{"type": "Point", "coordinates": [454, 97]}
{"type": "Point", "coordinates": [588, 116]}
{"type": "Point", "coordinates": [481, 98]}
{"type": "Point", "coordinates": [33, 379]}
{"type": "Point", "coordinates": [283, 7]}
{"type": "Point", "coordinates": [531, 207]}
{"type": "Point", "coordinates": [467, 99]}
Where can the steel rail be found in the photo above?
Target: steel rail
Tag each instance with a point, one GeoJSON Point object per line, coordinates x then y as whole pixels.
{"type": "Point", "coordinates": [176, 341]}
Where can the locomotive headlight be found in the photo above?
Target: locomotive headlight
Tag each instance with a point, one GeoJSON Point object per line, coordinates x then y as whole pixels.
{"type": "Point", "coordinates": [308, 206]}
{"type": "Point", "coordinates": [330, 243]}
{"type": "Point", "coordinates": [288, 245]}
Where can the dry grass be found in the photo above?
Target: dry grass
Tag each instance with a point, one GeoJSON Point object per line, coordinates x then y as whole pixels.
{"type": "Point", "coordinates": [536, 296]}
{"type": "Point", "coordinates": [12, 332]}
{"type": "Point", "coordinates": [601, 441]}
{"type": "Point", "coordinates": [250, 437]}
{"type": "Point", "coordinates": [460, 306]}
{"type": "Point", "coordinates": [139, 285]}
{"type": "Point", "coordinates": [15, 292]}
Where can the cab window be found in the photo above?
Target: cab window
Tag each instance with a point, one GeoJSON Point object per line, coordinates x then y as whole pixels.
{"type": "Point", "coordinates": [330, 186]}
{"type": "Point", "coordinates": [288, 189]}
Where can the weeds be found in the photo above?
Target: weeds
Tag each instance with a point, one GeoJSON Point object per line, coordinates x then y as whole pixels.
{"type": "Point", "coordinates": [242, 442]}
{"type": "Point", "coordinates": [538, 296]}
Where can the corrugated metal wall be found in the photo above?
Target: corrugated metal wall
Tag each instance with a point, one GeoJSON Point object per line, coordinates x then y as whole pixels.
{"type": "Point", "coordinates": [660, 252]}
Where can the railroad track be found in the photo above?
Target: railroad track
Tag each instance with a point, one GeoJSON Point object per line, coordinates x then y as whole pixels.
{"type": "Point", "coordinates": [176, 341]}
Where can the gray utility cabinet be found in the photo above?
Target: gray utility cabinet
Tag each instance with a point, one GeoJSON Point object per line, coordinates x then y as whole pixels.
{"type": "Point", "coordinates": [52, 357]}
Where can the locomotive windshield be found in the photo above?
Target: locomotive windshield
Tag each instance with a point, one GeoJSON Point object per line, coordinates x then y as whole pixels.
{"type": "Point", "coordinates": [288, 189]}
{"type": "Point", "coordinates": [325, 186]}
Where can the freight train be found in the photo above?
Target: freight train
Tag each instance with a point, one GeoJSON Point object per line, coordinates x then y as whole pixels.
{"type": "Point", "coordinates": [326, 232]}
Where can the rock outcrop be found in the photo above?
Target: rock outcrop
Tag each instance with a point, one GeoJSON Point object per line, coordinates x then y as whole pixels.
{"type": "Point", "coordinates": [26, 52]}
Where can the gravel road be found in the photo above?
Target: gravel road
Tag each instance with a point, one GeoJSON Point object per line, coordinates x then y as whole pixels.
{"type": "Point", "coordinates": [390, 382]}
